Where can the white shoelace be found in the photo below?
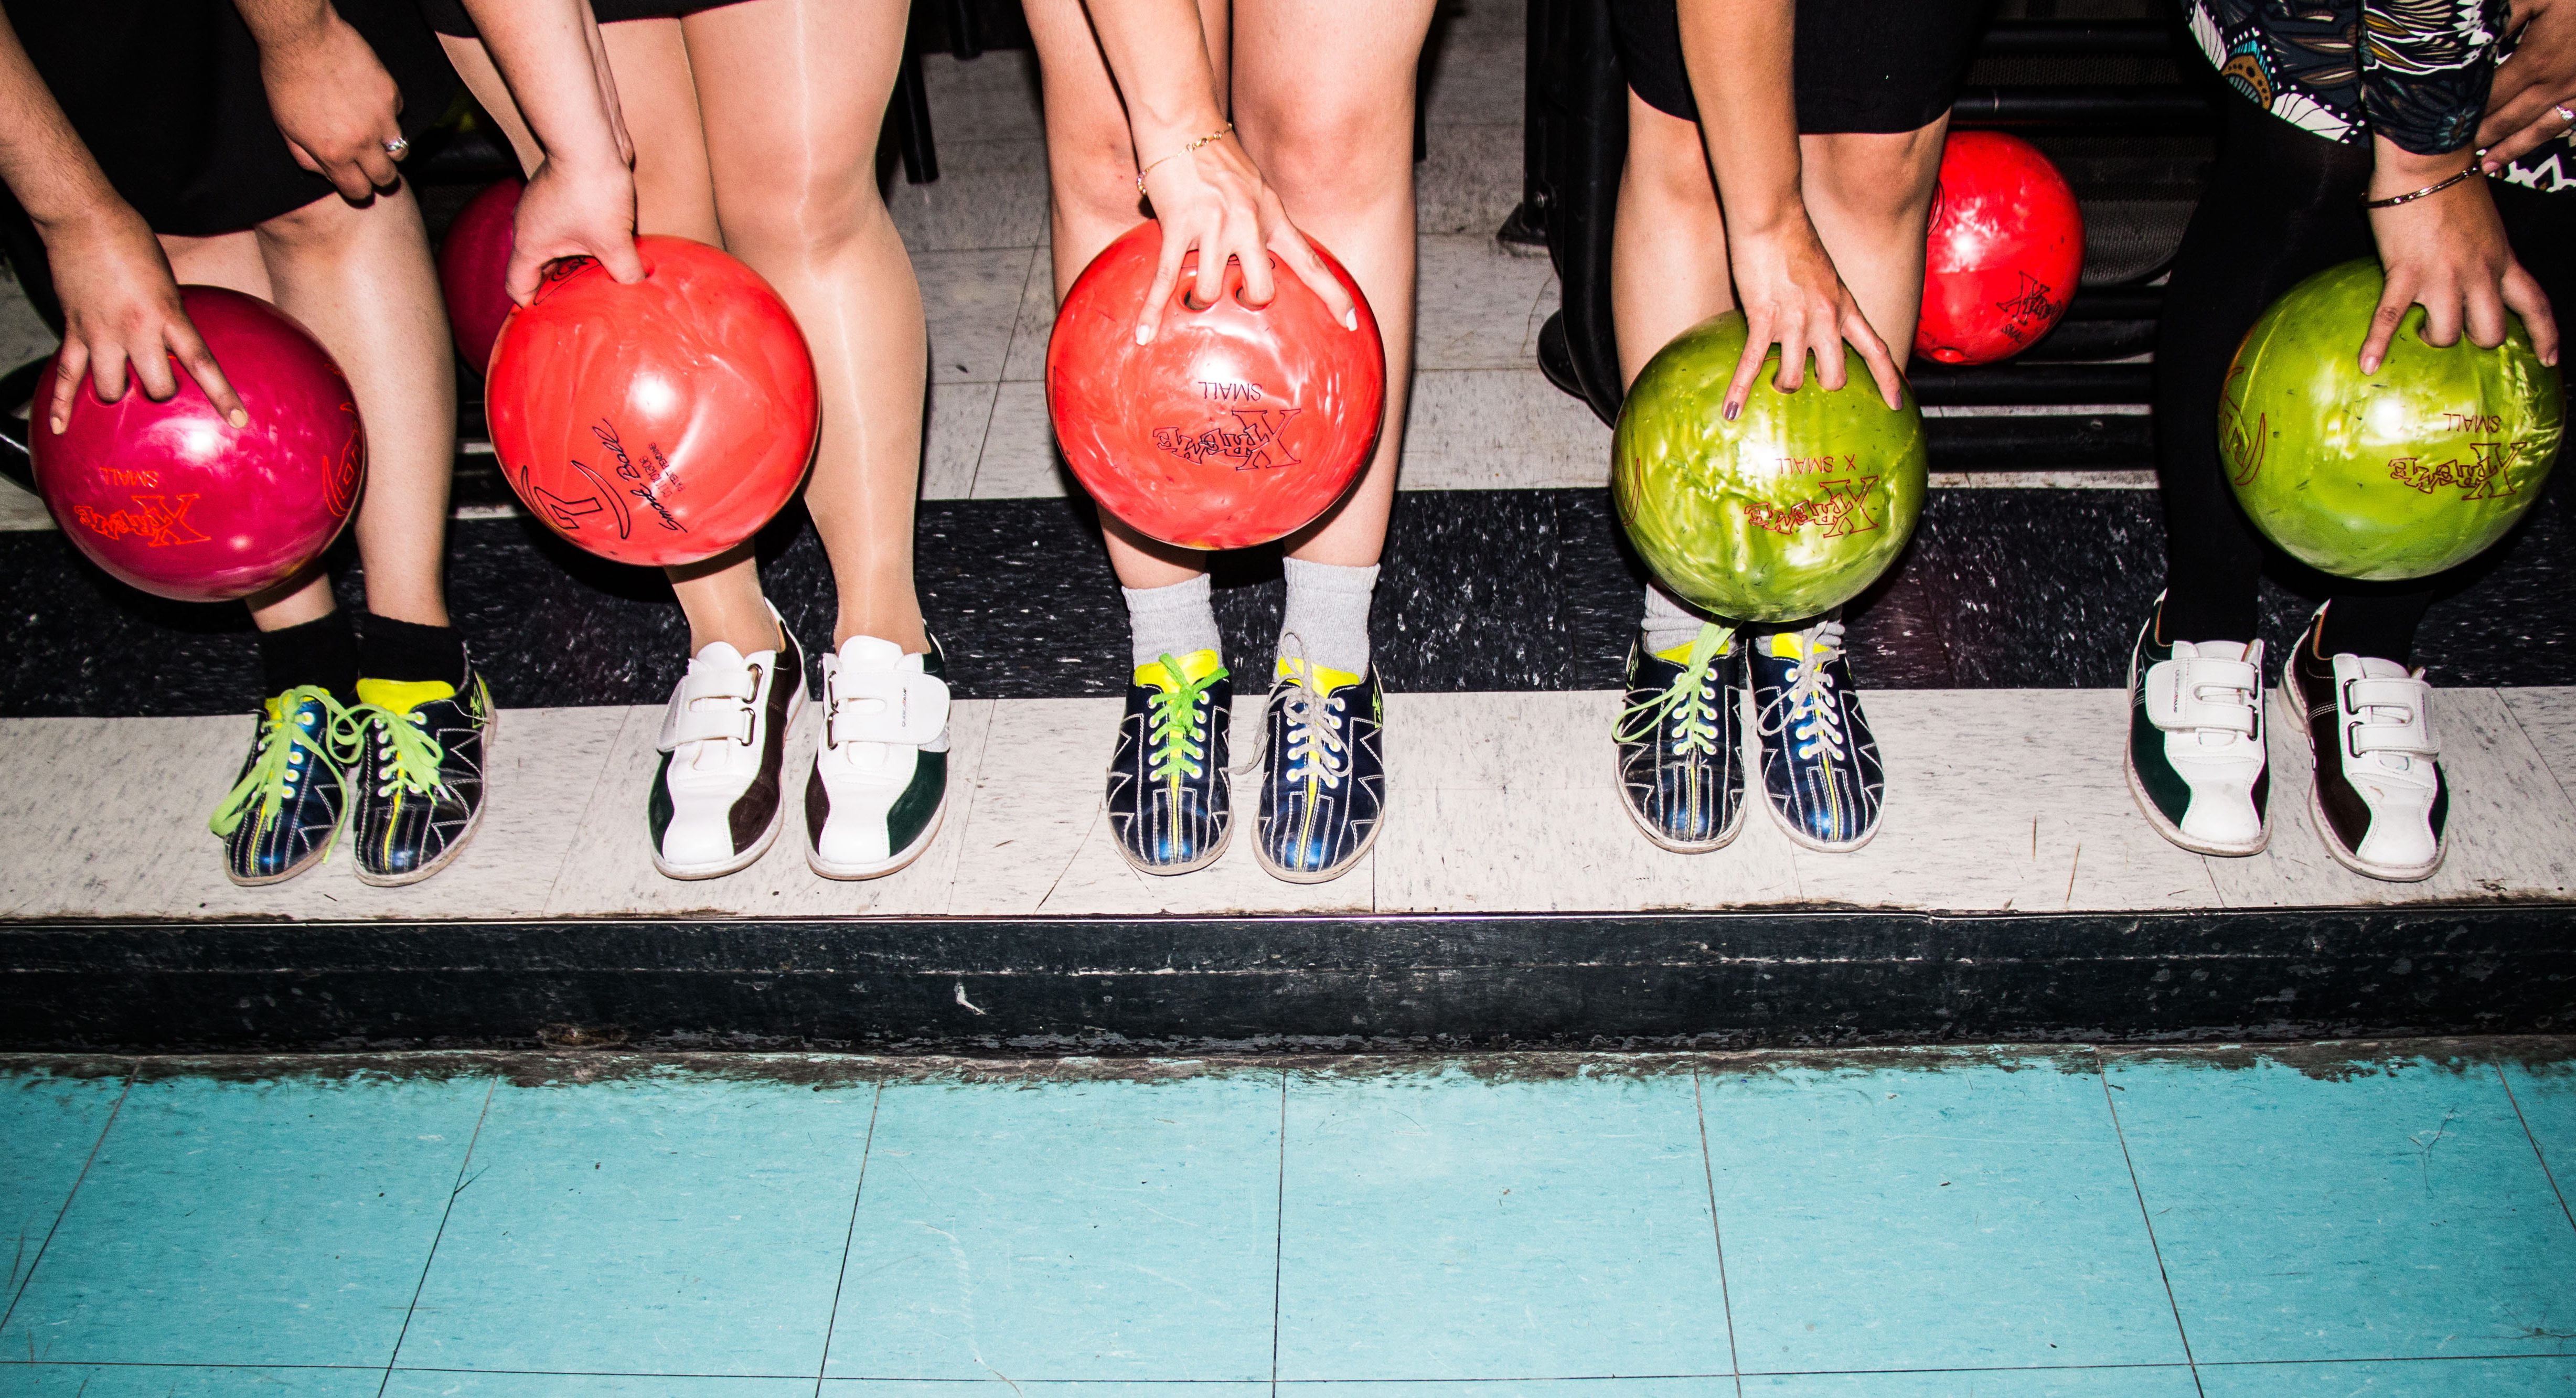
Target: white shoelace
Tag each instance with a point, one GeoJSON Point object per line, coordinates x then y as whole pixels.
{"type": "Point", "coordinates": [1315, 741]}
{"type": "Point", "coordinates": [1806, 707]}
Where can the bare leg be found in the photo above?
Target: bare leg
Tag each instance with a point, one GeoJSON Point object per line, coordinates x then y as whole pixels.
{"type": "Point", "coordinates": [1668, 249]}
{"type": "Point", "coordinates": [1091, 167]}
{"type": "Point", "coordinates": [792, 93]}
{"type": "Point", "coordinates": [1323, 99]}
{"type": "Point", "coordinates": [1870, 196]}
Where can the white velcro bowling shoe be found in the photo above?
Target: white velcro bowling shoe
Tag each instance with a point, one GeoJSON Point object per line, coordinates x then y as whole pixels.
{"type": "Point", "coordinates": [715, 806]}
{"type": "Point", "coordinates": [2378, 800]}
{"type": "Point", "coordinates": [880, 781]}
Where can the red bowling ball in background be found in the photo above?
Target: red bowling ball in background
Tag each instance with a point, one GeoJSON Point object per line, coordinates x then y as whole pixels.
{"type": "Point", "coordinates": [659, 423]}
{"type": "Point", "coordinates": [2005, 250]}
{"type": "Point", "coordinates": [473, 271]}
{"type": "Point", "coordinates": [1236, 426]}
{"type": "Point", "coordinates": [173, 499]}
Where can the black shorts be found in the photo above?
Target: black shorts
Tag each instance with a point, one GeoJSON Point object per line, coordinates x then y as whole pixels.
{"type": "Point", "coordinates": [1862, 65]}
{"type": "Point", "coordinates": [449, 17]}
{"type": "Point", "coordinates": [166, 94]}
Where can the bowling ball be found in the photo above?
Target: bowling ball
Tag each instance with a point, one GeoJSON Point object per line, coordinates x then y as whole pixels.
{"type": "Point", "coordinates": [659, 423]}
{"type": "Point", "coordinates": [1236, 426]}
{"type": "Point", "coordinates": [173, 499]}
{"type": "Point", "coordinates": [2388, 476]}
{"type": "Point", "coordinates": [473, 269]}
{"type": "Point", "coordinates": [1785, 513]}
{"type": "Point", "coordinates": [2005, 250]}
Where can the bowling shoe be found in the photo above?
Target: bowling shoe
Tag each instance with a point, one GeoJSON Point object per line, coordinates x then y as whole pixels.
{"type": "Point", "coordinates": [1323, 775]}
{"type": "Point", "coordinates": [2196, 762]}
{"type": "Point", "coordinates": [1681, 754]}
{"type": "Point", "coordinates": [880, 779]}
{"type": "Point", "coordinates": [2378, 797]}
{"type": "Point", "coordinates": [1171, 799]}
{"type": "Point", "coordinates": [281, 815]}
{"type": "Point", "coordinates": [715, 806]}
{"type": "Point", "coordinates": [417, 749]}
{"type": "Point", "coordinates": [1820, 770]}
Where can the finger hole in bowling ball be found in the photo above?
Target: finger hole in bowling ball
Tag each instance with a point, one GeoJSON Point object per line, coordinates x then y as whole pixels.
{"type": "Point", "coordinates": [1190, 299]}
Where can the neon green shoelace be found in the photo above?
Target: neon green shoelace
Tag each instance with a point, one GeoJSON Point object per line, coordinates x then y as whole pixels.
{"type": "Point", "coordinates": [416, 755]}
{"type": "Point", "coordinates": [1174, 723]}
{"type": "Point", "coordinates": [1689, 700]}
{"type": "Point", "coordinates": [282, 735]}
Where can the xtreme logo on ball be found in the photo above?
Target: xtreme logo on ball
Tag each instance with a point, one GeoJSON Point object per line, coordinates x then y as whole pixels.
{"type": "Point", "coordinates": [1251, 442]}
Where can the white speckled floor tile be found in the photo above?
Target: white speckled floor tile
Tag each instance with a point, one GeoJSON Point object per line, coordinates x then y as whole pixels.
{"type": "Point", "coordinates": [1478, 54]}
{"type": "Point", "coordinates": [971, 298]}
{"type": "Point", "coordinates": [1037, 795]}
{"type": "Point", "coordinates": [1500, 429]}
{"type": "Point", "coordinates": [990, 194]}
{"type": "Point", "coordinates": [1477, 306]}
{"type": "Point", "coordinates": [57, 856]}
{"type": "Point", "coordinates": [992, 97]}
{"type": "Point", "coordinates": [1027, 359]}
{"type": "Point", "coordinates": [20, 509]}
{"type": "Point", "coordinates": [952, 438]}
{"type": "Point", "coordinates": [1471, 181]}
{"type": "Point", "coordinates": [1561, 849]}
{"type": "Point", "coordinates": [2547, 717]}
{"type": "Point", "coordinates": [1019, 459]}
{"type": "Point", "coordinates": [1501, 742]}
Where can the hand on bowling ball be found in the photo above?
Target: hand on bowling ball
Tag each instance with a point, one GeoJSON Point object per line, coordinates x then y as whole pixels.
{"type": "Point", "coordinates": [2447, 252]}
{"type": "Point", "coordinates": [1213, 199]}
{"type": "Point", "coordinates": [121, 309]}
{"type": "Point", "coordinates": [331, 97]}
{"type": "Point", "coordinates": [1792, 297]}
{"type": "Point", "coordinates": [574, 208]}
{"type": "Point", "coordinates": [2538, 77]}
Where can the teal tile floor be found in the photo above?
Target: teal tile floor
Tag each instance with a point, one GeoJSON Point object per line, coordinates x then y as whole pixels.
{"type": "Point", "coordinates": [2325, 1220]}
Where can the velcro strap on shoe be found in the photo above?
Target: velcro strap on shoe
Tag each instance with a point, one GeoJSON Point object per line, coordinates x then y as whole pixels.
{"type": "Point", "coordinates": [887, 706]}
{"type": "Point", "coordinates": [686, 720]}
{"type": "Point", "coordinates": [2174, 691]}
{"type": "Point", "coordinates": [2372, 710]}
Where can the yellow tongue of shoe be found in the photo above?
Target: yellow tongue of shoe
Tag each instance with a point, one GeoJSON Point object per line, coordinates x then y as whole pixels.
{"type": "Point", "coordinates": [1195, 666]}
{"type": "Point", "coordinates": [402, 696]}
{"type": "Point", "coordinates": [1681, 654]}
{"type": "Point", "coordinates": [1787, 645]}
{"type": "Point", "coordinates": [1327, 679]}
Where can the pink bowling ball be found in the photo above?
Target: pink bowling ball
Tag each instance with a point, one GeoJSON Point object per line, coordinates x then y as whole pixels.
{"type": "Point", "coordinates": [173, 499]}
{"type": "Point", "coordinates": [473, 269]}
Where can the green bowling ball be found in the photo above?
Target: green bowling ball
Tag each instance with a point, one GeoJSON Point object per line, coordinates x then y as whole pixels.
{"type": "Point", "coordinates": [2388, 476]}
{"type": "Point", "coordinates": [1785, 513]}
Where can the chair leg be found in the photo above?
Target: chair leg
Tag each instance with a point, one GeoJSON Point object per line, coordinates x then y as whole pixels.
{"type": "Point", "coordinates": [910, 118]}
{"type": "Point", "coordinates": [965, 37]}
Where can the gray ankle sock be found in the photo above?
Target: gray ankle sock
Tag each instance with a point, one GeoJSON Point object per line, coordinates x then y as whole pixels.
{"type": "Point", "coordinates": [1327, 617]}
{"type": "Point", "coordinates": [1668, 622]}
{"type": "Point", "coordinates": [1172, 620]}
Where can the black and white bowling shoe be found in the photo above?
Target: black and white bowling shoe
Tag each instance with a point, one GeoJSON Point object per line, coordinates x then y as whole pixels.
{"type": "Point", "coordinates": [1681, 751]}
{"type": "Point", "coordinates": [419, 750]}
{"type": "Point", "coordinates": [284, 809]}
{"type": "Point", "coordinates": [2378, 798]}
{"type": "Point", "coordinates": [715, 806]}
{"type": "Point", "coordinates": [880, 781]}
{"type": "Point", "coordinates": [1171, 796]}
{"type": "Point", "coordinates": [1323, 773]}
{"type": "Point", "coordinates": [1821, 774]}
{"type": "Point", "coordinates": [2196, 760]}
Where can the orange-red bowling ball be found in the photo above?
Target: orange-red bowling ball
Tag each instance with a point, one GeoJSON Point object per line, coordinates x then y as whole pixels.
{"type": "Point", "coordinates": [172, 498]}
{"type": "Point", "coordinates": [2005, 250]}
{"type": "Point", "coordinates": [658, 423]}
{"type": "Point", "coordinates": [1234, 427]}
{"type": "Point", "coordinates": [474, 269]}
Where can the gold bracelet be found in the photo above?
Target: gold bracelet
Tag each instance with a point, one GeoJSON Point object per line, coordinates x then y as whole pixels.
{"type": "Point", "coordinates": [2394, 200]}
{"type": "Point", "coordinates": [1218, 134]}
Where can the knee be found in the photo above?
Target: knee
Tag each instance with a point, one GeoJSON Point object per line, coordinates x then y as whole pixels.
{"type": "Point", "coordinates": [803, 212]}
{"type": "Point", "coordinates": [1091, 170]}
{"type": "Point", "coordinates": [1326, 157]}
{"type": "Point", "coordinates": [327, 222]}
{"type": "Point", "coordinates": [1666, 167]}
{"type": "Point", "coordinates": [1874, 177]}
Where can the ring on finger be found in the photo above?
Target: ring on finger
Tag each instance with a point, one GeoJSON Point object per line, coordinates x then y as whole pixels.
{"type": "Point", "coordinates": [396, 147]}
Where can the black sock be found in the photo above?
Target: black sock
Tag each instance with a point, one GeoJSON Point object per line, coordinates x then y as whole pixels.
{"type": "Point", "coordinates": [323, 651]}
{"type": "Point", "coordinates": [409, 651]}
{"type": "Point", "coordinates": [2380, 623]}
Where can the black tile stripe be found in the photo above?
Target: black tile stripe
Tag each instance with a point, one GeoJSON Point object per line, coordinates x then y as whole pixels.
{"type": "Point", "coordinates": [1483, 590]}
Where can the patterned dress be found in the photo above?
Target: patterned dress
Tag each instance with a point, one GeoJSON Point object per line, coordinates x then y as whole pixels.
{"type": "Point", "coordinates": [2415, 71]}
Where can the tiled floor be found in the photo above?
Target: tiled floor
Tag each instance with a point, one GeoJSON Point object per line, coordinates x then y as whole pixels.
{"type": "Point", "coordinates": [1493, 807]}
{"type": "Point", "coordinates": [2155, 1224]}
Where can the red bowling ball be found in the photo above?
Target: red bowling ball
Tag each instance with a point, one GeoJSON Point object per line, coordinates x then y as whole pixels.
{"type": "Point", "coordinates": [660, 423]}
{"type": "Point", "coordinates": [173, 499]}
{"type": "Point", "coordinates": [2005, 250]}
{"type": "Point", "coordinates": [1236, 426]}
{"type": "Point", "coordinates": [473, 269]}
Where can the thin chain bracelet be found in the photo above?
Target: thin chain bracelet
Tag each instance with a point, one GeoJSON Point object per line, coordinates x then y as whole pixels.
{"type": "Point", "coordinates": [1218, 134]}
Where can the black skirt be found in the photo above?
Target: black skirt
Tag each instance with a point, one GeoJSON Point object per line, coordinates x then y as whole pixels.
{"type": "Point", "coordinates": [166, 94]}
{"type": "Point", "coordinates": [1862, 65]}
{"type": "Point", "coordinates": [449, 17]}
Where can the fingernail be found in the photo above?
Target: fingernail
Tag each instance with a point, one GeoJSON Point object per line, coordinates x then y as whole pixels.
{"type": "Point", "coordinates": [1732, 409]}
{"type": "Point", "coordinates": [1144, 334]}
{"type": "Point", "coordinates": [1350, 320]}
{"type": "Point", "coordinates": [238, 418]}
{"type": "Point", "coordinates": [60, 422]}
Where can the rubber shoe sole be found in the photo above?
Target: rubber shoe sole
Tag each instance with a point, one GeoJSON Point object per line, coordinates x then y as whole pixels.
{"type": "Point", "coordinates": [320, 857]}
{"type": "Point", "coordinates": [850, 873]}
{"type": "Point", "coordinates": [1166, 870]}
{"type": "Point", "coordinates": [2294, 709]}
{"type": "Point", "coordinates": [1287, 875]}
{"type": "Point", "coordinates": [1662, 841]}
